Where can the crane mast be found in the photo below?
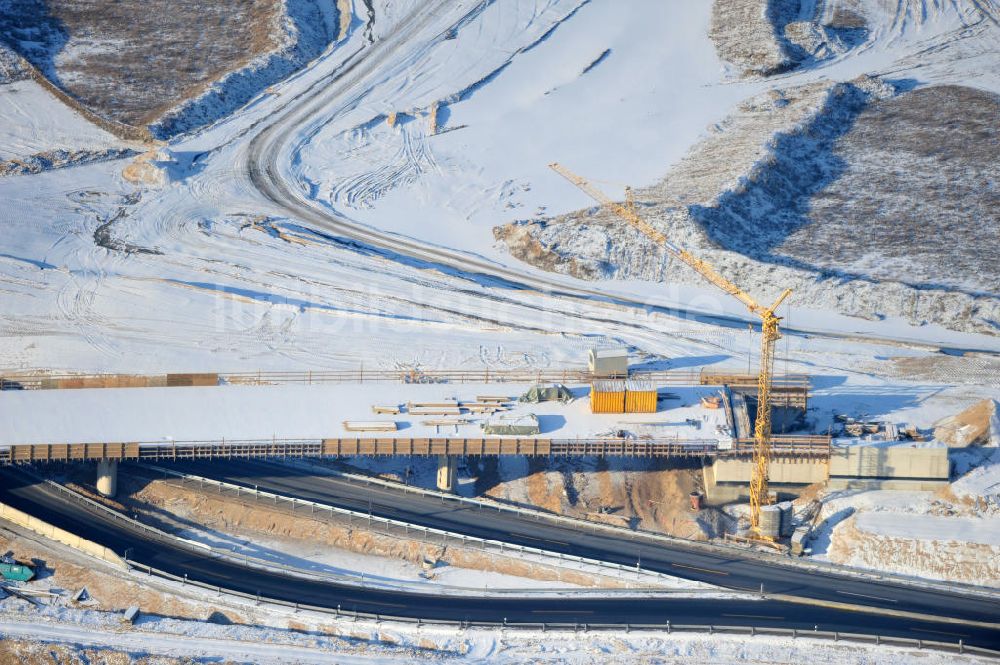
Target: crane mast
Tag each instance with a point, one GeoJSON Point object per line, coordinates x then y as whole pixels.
{"type": "Point", "coordinates": [770, 333]}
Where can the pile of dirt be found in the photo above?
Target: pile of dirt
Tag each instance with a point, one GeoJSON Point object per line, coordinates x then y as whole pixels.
{"type": "Point", "coordinates": [11, 67]}
{"type": "Point", "coordinates": [766, 37]}
{"type": "Point", "coordinates": [745, 34]}
{"type": "Point", "coordinates": [973, 426]}
{"type": "Point", "coordinates": [58, 159]}
{"type": "Point", "coordinates": [25, 652]}
{"type": "Point", "coordinates": [649, 494]}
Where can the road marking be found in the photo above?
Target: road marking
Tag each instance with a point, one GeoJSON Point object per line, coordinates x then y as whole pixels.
{"type": "Point", "coordinates": [939, 632]}
{"type": "Point", "coordinates": [704, 570]}
{"type": "Point", "coordinates": [545, 540]}
{"type": "Point", "coordinates": [862, 595]}
{"type": "Point", "coordinates": [573, 612]}
{"type": "Point", "coordinates": [390, 605]}
{"type": "Point", "coordinates": [754, 616]}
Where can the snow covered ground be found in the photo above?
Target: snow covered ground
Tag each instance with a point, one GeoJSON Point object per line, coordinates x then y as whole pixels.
{"type": "Point", "coordinates": [202, 274]}
{"type": "Point", "coordinates": [313, 412]}
{"type": "Point", "coordinates": [34, 121]}
{"type": "Point", "coordinates": [921, 527]}
{"type": "Point", "coordinates": [390, 644]}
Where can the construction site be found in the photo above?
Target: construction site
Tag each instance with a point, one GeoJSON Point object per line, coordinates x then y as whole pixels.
{"type": "Point", "coordinates": [556, 331]}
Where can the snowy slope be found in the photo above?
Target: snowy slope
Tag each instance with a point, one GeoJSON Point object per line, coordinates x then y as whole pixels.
{"type": "Point", "coordinates": [34, 121]}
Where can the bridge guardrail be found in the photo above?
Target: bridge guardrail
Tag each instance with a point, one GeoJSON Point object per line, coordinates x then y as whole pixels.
{"type": "Point", "coordinates": [781, 446]}
{"type": "Point", "coordinates": [360, 579]}
{"type": "Point", "coordinates": [20, 380]}
{"type": "Point", "coordinates": [709, 547]}
{"type": "Point", "coordinates": [958, 647]}
{"type": "Point", "coordinates": [951, 647]}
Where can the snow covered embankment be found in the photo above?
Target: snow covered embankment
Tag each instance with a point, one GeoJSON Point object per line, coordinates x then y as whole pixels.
{"type": "Point", "coordinates": [58, 159]}
{"type": "Point", "coordinates": [303, 29]}
{"type": "Point", "coordinates": [746, 196]}
{"type": "Point", "coordinates": [766, 37]}
{"type": "Point", "coordinates": [943, 548]}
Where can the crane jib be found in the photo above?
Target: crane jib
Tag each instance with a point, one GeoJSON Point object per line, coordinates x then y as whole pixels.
{"type": "Point", "coordinates": [769, 334]}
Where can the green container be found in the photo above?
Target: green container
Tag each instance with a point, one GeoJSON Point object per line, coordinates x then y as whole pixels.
{"type": "Point", "coordinates": [16, 571]}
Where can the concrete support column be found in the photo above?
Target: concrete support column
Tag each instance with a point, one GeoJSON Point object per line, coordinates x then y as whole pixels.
{"type": "Point", "coordinates": [107, 477]}
{"type": "Point", "coordinates": [447, 470]}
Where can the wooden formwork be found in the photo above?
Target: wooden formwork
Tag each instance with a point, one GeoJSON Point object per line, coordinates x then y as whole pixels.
{"type": "Point", "coordinates": [782, 446]}
{"type": "Point", "coordinates": [437, 446]}
{"type": "Point", "coordinates": [203, 379]}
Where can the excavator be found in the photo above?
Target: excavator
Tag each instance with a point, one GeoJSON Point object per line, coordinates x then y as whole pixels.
{"type": "Point", "coordinates": [770, 333]}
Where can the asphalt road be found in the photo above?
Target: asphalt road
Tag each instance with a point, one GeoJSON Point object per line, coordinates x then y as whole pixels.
{"type": "Point", "coordinates": [21, 491]}
{"type": "Point", "coordinates": [731, 570]}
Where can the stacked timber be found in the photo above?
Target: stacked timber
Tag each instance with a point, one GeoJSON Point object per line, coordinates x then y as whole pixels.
{"type": "Point", "coordinates": [370, 426]}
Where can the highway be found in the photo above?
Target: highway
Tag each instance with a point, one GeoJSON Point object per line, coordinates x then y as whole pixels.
{"type": "Point", "coordinates": [23, 492]}
{"type": "Point", "coordinates": [731, 569]}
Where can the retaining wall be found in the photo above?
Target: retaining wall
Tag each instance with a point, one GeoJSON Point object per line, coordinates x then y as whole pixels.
{"type": "Point", "coordinates": [43, 528]}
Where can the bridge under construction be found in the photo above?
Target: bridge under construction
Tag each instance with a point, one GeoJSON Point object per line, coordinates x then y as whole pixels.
{"type": "Point", "coordinates": [785, 446]}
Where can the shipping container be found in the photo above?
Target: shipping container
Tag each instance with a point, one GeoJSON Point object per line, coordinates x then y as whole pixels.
{"type": "Point", "coordinates": [640, 397]}
{"type": "Point", "coordinates": [607, 397]}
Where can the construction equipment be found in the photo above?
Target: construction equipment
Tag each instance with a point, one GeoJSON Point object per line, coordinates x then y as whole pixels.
{"type": "Point", "coordinates": [12, 569]}
{"type": "Point", "coordinates": [769, 335]}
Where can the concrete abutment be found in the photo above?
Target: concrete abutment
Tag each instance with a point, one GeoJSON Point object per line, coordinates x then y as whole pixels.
{"type": "Point", "coordinates": [107, 477]}
{"type": "Point", "coordinates": [447, 472]}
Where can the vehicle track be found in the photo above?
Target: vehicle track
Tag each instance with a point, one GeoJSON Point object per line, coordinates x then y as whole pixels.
{"type": "Point", "coordinates": [277, 141]}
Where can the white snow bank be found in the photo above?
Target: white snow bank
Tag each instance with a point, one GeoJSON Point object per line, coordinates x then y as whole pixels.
{"type": "Point", "coordinates": [929, 527]}
{"type": "Point", "coordinates": [34, 121]}
{"type": "Point", "coordinates": [984, 479]}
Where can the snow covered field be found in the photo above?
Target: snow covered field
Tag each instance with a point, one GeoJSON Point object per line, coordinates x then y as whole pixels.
{"type": "Point", "coordinates": [202, 273]}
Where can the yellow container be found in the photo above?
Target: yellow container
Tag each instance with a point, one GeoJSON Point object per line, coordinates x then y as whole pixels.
{"type": "Point", "coordinates": [640, 397]}
{"type": "Point", "coordinates": [607, 397]}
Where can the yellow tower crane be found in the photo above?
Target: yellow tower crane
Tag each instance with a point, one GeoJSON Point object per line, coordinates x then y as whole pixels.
{"type": "Point", "coordinates": [769, 334]}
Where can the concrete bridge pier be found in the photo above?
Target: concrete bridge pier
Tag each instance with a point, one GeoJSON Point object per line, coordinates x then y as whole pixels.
{"type": "Point", "coordinates": [447, 471]}
{"type": "Point", "coordinates": [107, 477]}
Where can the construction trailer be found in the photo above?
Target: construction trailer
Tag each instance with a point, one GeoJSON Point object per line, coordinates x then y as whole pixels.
{"type": "Point", "coordinates": [608, 363]}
